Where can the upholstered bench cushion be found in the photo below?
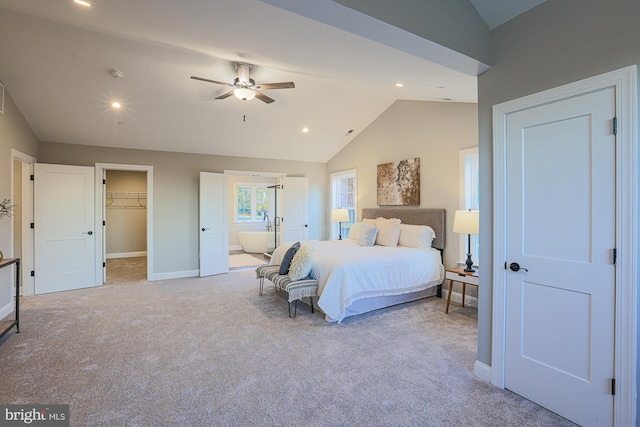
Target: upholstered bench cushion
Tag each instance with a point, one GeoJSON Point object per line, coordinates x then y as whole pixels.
{"type": "Point", "coordinates": [297, 289]}
{"type": "Point", "coordinates": [267, 271]}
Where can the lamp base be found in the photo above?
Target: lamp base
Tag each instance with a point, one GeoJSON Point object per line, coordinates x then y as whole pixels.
{"type": "Point", "coordinates": [469, 263]}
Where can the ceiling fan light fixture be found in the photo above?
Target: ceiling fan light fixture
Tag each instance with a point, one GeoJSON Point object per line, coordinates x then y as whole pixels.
{"type": "Point", "coordinates": [244, 94]}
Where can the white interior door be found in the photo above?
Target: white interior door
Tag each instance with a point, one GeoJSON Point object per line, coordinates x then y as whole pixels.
{"type": "Point", "coordinates": [64, 221]}
{"type": "Point", "coordinates": [295, 209]}
{"type": "Point", "coordinates": [560, 227]}
{"type": "Point", "coordinates": [214, 224]}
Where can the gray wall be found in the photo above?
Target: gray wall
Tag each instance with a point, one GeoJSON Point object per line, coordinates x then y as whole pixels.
{"type": "Point", "coordinates": [433, 131]}
{"type": "Point", "coordinates": [175, 192]}
{"type": "Point", "coordinates": [556, 43]}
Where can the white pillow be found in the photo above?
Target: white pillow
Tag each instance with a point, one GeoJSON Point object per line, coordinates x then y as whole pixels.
{"type": "Point", "coordinates": [367, 236]}
{"type": "Point", "coordinates": [370, 221]}
{"type": "Point", "coordinates": [388, 220]}
{"type": "Point", "coordinates": [416, 236]}
{"type": "Point", "coordinates": [300, 266]}
{"type": "Point", "coordinates": [388, 232]}
{"type": "Point", "coordinates": [355, 231]}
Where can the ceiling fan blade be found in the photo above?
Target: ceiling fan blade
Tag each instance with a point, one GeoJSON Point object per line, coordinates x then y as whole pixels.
{"type": "Point", "coordinates": [210, 81]}
{"type": "Point", "coordinates": [225, 95]}
{"type": "Point", "coordinates": [282, 85]}
{"type": "Point", "coordinates": [264, 98]}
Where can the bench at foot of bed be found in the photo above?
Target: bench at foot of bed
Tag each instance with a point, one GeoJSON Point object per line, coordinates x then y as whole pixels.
{"type": "Point", "coordinates": [296, 289]}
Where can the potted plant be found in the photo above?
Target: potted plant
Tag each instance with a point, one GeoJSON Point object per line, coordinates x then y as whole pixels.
{"type": "Point", "coordinates": [6, 210]}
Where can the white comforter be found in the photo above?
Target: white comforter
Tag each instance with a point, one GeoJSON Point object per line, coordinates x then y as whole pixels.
{"type": "Point", "coordinates": [347, 272]}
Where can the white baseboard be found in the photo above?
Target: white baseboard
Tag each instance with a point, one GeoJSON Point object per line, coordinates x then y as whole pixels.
{"type": "Point", "coordinates": [235, 248]}
{"type": "Point", "coordinates": [6, 309]}
{"type": "Point", "coordinates": [482, 371]}
{"type": "Point", "coordinates": [457, 298]}
{"type": "Point", "coordinates": [174, 275]}
{"type": "Point", "coordinates": [126, 254]}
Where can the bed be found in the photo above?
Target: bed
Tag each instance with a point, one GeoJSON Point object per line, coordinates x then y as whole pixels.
{"type": "Point", "coordinates": [355, 279]}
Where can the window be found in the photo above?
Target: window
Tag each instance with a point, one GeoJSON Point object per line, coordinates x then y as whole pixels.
{"type": "Point", "coordinates": [251, 202]}
{"type": "Point", "coordinates": [469, 197]}
{"type": "Point", "coordinates": [344, 187]}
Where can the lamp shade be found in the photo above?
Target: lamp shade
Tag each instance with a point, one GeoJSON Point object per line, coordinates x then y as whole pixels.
{"type": "Point", "coordinates": [340, 215]}
{"type": "Point", "coordinates": [244, 94]}
{"type": "Point", "coordinates": [466, 222]}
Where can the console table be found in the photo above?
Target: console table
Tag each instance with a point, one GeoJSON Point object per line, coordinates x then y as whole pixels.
{"type": "Point", "coordinates": [6, 325]}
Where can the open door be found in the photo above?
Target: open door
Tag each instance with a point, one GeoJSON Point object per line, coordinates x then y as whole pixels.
{"type": "Point", "coordinates": [214, 224]}
{"type": "Point", "coordinates": [64, 221]}
{"type": "Point", "coordinates": [295, 209]}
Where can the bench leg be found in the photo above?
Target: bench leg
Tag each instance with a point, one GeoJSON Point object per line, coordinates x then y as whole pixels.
{"type": "Point", "coordinates": [261, 285]}
{"type": "Point", "coordinates": [295, 309]}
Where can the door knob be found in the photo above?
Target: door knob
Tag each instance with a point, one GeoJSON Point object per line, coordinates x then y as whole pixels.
{"type": "Point", "coordinates": [88, 232]}
{"type": "Point", "coordinates": [514, 266]}
{"type": "Point", "coordinates": [204, 229]}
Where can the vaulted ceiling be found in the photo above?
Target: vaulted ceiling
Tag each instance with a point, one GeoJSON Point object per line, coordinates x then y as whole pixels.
{"type": "Point", "coordinates": [345, 58]}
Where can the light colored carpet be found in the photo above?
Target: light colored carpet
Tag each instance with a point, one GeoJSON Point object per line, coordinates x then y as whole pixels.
{"type": "Point", "coordinates": [211, 352]}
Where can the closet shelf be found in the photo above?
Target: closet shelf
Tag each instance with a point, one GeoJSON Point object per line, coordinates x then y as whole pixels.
{"type": "Point", "coordinates": [126, 200]}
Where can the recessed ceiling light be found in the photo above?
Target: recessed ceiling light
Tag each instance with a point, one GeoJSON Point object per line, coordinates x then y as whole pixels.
{"type": "Point", "coordinates": [116, 104]}
{"type": "Point", "coordinates": [83, 3]}
{"type": "Point", "coordinates": [399, 85]}
{"type": "Point", "coordinates": [305, 130]}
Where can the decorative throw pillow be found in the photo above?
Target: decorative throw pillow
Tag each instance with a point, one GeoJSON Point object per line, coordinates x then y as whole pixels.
{"type": "Point", "coordinates": [416, 236]}
{"type": "Point", "coordinates": [370, 221]}
{"type": "Point", "coordinates": [354, 232]}
{"type": "Point", "coordinates": [388, 232]}
{"type": "Point", "coordinates": [301, 264]}
{"type": "Point", "coordinates": [286, 259]}
{"type": "Point", "coordinates": [367, 236]}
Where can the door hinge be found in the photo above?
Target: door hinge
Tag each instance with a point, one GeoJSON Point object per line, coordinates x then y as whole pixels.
{"type": "Point", "coordinates": [104, 182]}
{"type": "Point", "coordinates": [613, 386]}
{"type": "Point", "coordinates": [33, 273]}
{"type": "Point", "coordinates": [32, 225]}
{"type": "Point", "coordinates": [615, 125]}
{"type": "Point", "coordinates": [104, 223]}
{"type": "Point", "coordinates": [32, 178]}
{"type": "Point", "coordinates": [104, 264]}
{"type": "Point", "coordinates": [615, 255]}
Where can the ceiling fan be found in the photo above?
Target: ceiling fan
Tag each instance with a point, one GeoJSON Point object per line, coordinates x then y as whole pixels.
{"type": "Point", "coordinates": [246, 88]}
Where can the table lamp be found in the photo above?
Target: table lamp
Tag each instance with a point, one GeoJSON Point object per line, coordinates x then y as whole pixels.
{"type": "Point", "coordinates": [340, 215]}
{"type": "Point", "coordinates": [467, 222]}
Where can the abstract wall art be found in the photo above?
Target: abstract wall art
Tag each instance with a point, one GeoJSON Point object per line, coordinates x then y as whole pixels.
{"type": "Point", "coordinates": [399, 183]}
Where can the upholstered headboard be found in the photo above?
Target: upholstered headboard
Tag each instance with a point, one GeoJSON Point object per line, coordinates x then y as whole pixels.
{"type": "Point", "coordinates": [434, 218]}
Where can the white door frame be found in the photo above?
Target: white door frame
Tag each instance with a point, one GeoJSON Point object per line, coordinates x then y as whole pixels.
{"type": "Point", "coordinates": [101, 168]}
{"type": "Point", "coordinates": [626, 305]}
{"type": "Point", "coordinates": [28, 249]}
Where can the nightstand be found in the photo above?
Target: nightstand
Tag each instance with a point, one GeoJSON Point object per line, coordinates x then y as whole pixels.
{"type": "Point", "coordinates": [459, 275]}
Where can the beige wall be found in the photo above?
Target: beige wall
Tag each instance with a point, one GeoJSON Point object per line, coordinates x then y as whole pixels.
{"type": "Point", "coordinates": [175, 192]}
{"type": "Point", "coordinates": [556, 43]}
{"type": "Point", "coordinates": [15, 134]}
{"type": "Point", "coordinates": [433, 131]}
